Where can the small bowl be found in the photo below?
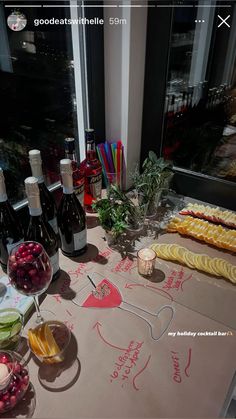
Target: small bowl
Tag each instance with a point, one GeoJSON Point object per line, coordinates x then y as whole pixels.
{"type": "Point", "coordinates": [11, 325]}
{"type": "Point", "coordinates": [14, 384]}
{"type": "Point", "coordinates": [61, 335]}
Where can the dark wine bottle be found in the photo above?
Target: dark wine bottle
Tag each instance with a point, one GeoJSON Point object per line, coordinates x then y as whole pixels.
{"type": "Point", "coordinates": [46, 198]}
{"type": "Point", "coordinates": [11, 232]}
{"type": "Point", "coordinates": [39, 229]}
{"type": "Point", "coordinates": [71, 216]}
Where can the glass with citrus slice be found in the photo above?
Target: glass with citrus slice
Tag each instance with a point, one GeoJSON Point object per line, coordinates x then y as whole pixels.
{"type": "Point", "coordinates": [49, 342]}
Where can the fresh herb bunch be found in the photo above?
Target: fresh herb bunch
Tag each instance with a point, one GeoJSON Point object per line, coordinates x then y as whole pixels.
{"type": "Point", "coordinates": [156, 174]}
{"type": "Point", "coordinates": [113, 211]}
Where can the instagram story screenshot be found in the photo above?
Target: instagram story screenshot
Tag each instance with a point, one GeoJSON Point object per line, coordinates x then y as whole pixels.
{"type": "Point", "coordinates": [117, 209]}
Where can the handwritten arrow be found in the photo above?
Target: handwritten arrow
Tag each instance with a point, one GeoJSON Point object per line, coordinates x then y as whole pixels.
{"type": "Point", "coordinates": [140, 372]}
{"type": "Point", "coordinates": [97, 326]}
{"type": "Point", "coordinates": [152, 288]}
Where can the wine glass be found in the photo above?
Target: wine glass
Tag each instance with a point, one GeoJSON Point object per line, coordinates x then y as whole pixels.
{"type": "Point", "coordinates": [30, 271]}
{"type": "Point", "coordinates": [102, 293]}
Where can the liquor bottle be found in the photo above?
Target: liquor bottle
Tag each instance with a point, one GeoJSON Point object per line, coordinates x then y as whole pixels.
{"type": "Point", "coordinates": [11, 232]}
{"type": "Point", "coordinates": [71, 216]}
{"type": "Point", "coordinates": [39, 229]}
{"type": "Point", "coordinates": [78, 170]}
{"type": "Point", "coordinates": [46, 198]}
{"type": "Point", "coordinates": [93, 172]}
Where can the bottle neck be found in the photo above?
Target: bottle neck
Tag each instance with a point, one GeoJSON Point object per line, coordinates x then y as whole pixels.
{"type": "Point", "coordinates": [67, 183]}
{"type": "Point", "coordinates": [71, 155]}
{"type": "Point", "coordinates": [34, 204]}
{"type": "Point", "coordinates": [90, 151]}
{"type": "Point", "coordinates": [36, 169]}
{"type": "Point", "coordinates": [3, 194]}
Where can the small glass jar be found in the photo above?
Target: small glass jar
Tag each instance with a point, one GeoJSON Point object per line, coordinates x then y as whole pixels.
{"type": "Point", "coordinates": [14, 380]}
{"type": "Point", "coordinates": [146, 261]}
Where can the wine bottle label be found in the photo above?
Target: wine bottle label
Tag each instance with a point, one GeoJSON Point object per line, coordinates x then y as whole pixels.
{"type": "Point", "coordinates": [11, 245]}
{"type": "Point", "coordinates": [53, 224]}
{"type": "Point", "coordinates": [55, 262]}
{"type": "Point", "coordinates": [95, 185]}
{"type": "Point", "coordinates": [80, 239]}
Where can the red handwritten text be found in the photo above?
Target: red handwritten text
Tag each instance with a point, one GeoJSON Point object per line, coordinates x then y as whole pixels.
{"type": "Point", "coordinates": [125, 265]}
{"type": "Point", "coordinates": [175, 280]}
{"type": "Point", "coordinates": [126, 363]}
{"type": "Point", "coordinates": [177, 375]}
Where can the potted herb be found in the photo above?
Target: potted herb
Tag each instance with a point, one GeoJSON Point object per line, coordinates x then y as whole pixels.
{"type": "Point", "coordinates": [155, 176]}
{"type": "Point", "coordinates": [112, 213]}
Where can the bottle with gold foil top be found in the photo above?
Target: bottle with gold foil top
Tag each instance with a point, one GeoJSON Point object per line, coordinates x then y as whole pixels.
{"type": "Point", "coordinates": [93, 172]}
{"type": "Point", "coordinates": [71, 216]}
{"type": "Point", "coordinates": [11, 232]}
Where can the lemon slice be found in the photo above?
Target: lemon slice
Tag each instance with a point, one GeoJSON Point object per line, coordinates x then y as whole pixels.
{"type": "Point", "coordinates": [52, 344]}
{"type": "Point", "coordinates": [34, 344]}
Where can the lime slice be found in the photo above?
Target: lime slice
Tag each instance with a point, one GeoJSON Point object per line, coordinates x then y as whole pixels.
{"type": "Point", "coordinates": [16, 328]}
{"type": "Point", "coordinates": [4, 335]}
{"type": "Point", "coordinates": [9, 318]}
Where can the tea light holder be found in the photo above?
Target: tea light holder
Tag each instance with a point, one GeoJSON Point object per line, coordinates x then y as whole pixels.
{"type": "Point", "coordinates": [146, 261]}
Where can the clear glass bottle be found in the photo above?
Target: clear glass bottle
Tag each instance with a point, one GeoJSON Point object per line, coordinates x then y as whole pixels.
{"type": "Point", "coordinates": [78, 170]}
{"type": "Point", "coordinates": [93, 171]}
{"type": "Point", "coordinates": [71, 216]}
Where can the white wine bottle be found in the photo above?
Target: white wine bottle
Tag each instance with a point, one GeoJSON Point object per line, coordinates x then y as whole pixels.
{"type": "Point", "coordinates": [71, 216]}
{"type": "Point", "coordinates": [46, 198]}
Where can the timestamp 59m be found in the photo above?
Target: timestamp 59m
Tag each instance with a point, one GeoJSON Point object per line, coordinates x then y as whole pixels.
{"type": "Point", "coordinates": [117, 21]}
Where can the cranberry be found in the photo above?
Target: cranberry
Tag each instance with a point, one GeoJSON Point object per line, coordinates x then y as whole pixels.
{"type": "Point", "coordinates": [32, 272]}
{"type": "Point", "coordinates": [29, 258]}
{"type": "Point", "coordinates": [4, 359]}
{"type": "Point", "coordinates": [13, 389]}
{"type": "Point", "coordinates": [22, 248]}
{"type": "Point", "coordinates": [35, 279]}
{"type": "Point", "coordinates": [27, 286]}
{"type": "Point", "coordinates": [18, 394]}
{"type": "Point", "coordinates": [24, 254]}
{"type": "Point", "coordinates": [20, 273]}
{"type": "Point", "coordinates": [21, 261]}
{"type": "Point", "coordinates": [6, 397]}
{"type": "Point", "coordinates": [1, 406]}
{"type": "Point", "coordinates": [7, 404]}
{"type": "Point", "coordinates": [17, 368]}
{"type": "Point", "coordinates": [12, 258]}
{"type": "Point", "coordinates": [14, 266]}
{"type": "Point", "coordinates": [17, 255]}
{"type": "Point", "coordinates": [37, 249]}
{"type": "Point", "coordinates": [30, 246]}
{"type": "Point", "coordinates": [25, 379]}
{"type": "Point", "coordinates": [24, 372]}
{"type": "Point", "coordinates": [13, 400]}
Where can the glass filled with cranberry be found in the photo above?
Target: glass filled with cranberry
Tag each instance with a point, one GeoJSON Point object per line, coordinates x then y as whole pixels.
{"type": "Point", "coordinates": [30, 271]}
{"type": "Point", "coordinates": [14, 380]}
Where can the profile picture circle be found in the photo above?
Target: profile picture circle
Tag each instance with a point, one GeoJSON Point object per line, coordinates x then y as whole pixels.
{"type": "Point", "coordinates": [16, 21]}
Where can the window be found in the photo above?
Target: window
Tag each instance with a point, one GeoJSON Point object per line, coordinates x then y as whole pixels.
{"type": "Point", "coordinates": [38, 95]}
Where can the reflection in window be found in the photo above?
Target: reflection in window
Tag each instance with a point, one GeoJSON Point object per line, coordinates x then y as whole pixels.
{"type": "Point", "coordinates": [37, 96]}
{"type": "Point", "coordinates": [200, 117]}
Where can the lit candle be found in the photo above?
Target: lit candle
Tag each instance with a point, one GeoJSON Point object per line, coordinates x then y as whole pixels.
{"type": "Point", "coordinates": [4, 375]}
{"type": "Point", "coordinates": [146, 261]}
